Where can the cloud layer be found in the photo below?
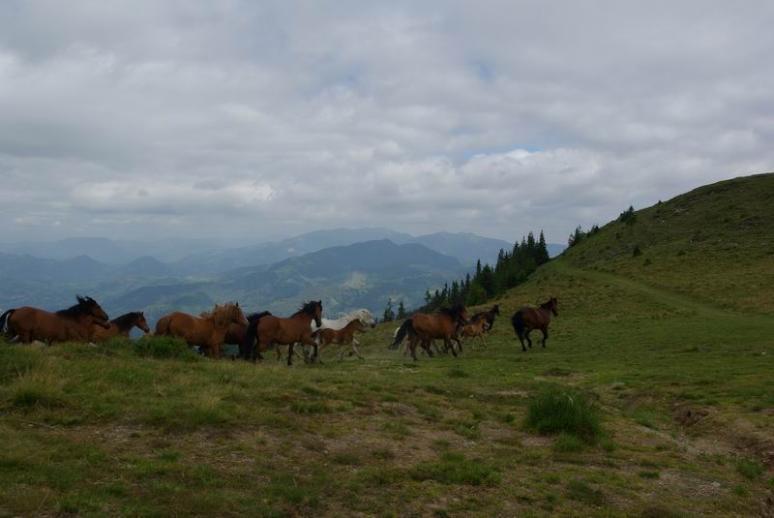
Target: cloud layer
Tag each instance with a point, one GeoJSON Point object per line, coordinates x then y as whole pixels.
{"type": "Point", "coordinates": [253, 120]}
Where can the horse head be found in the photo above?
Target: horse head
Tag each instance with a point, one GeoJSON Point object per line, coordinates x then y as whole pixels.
{"type": "Point", "coordinates": [366, 317]}
{"type": "Point", "coordinates": [317, 312]}
{"type": "Point", "coordinates": [142, 323]}
{"type": "Point", "coordinates": [88, 306]}
{"type": "Point", "coordinates": [552, 305]}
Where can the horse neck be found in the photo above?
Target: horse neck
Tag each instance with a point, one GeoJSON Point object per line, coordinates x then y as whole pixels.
{"type": "Point", "coordinates": [303, 317]}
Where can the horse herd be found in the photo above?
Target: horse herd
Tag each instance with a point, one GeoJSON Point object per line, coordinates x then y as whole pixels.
{"type": "Point", "coordinates": [256, 333]}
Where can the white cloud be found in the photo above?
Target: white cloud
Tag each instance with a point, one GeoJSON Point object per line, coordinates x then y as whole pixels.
{"type": "Point", "coordinates": [243, 119]}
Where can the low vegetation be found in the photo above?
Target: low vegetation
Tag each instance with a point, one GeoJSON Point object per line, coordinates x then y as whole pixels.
{"type": "Point", "coordinates": [647, 402]}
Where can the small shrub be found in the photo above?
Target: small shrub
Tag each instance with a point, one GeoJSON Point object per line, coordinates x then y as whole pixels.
{"type": "Point", "coordinates": [456, 372]}
{"type": "Point", "coordinates": [649, 474]}
{"type": "Point", "coordinates": [636, 252]}
{"type": "Point", "coordinates": [163, 347]}
{"type": "Point", "coordinates": [582, 492]}
{"type": "Point", "coordinates": [749, 469]}
{"type": "Point", "coordinates": [454, 468]}
{"type": "Point", "coordinates": [557, 410]}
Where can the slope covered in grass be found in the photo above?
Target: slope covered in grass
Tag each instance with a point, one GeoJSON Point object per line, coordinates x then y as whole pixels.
{"type": "Point", "coordinates": [675, 384]}
{"type": "Point", "coordinates": [715, 243]}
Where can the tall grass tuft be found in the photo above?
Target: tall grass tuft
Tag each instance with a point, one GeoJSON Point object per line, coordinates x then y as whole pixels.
{"type": "Point", "coordinates": [559, 410]}
{"type": "Point", "coordinates": [163, 347]}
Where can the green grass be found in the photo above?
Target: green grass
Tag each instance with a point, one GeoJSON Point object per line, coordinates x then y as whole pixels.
{"type": "Point", "coordinates": [675, 358]}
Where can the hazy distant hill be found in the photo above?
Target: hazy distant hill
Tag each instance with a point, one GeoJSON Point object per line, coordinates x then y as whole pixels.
{"type": "Point", "coordinates": [347, 267]}
{"type": "Point", "coordinates": [358, 275]}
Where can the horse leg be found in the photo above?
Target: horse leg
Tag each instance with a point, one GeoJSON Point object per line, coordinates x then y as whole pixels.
{"type": "Point", "coordinates": [529, 340]}
{"type": "Point", "coordinates": [290, 353]}
{"type": "Point", "coordinates": [355, 343]}
{"type": "Point", "coordinates": [545, 336]}
{"type": "Point", "coordinates": [426, 345]}
{"type": "Point", "coordinates": [449, 345]}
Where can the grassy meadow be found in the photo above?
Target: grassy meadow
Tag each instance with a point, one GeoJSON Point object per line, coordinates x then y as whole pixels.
{"type": "Point", "coordinates": [648, 401]}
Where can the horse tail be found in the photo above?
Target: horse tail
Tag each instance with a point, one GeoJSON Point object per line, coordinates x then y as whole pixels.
{"type": "Point", "coordinates": [246, 347]}
{"type": "Point", "coordinates": [4, 321]}
{"type": "Point", "coordinates": [517, 320]}
{"type": "Point", "coordinates": [406, 328]}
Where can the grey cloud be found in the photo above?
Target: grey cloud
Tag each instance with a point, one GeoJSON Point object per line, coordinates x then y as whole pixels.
{"type": "Point", "coordinates": [243, 119]}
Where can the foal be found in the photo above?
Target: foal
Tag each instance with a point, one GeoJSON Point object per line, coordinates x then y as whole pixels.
{"type": "Point", "coordinates": [121, 326]}
{"type": "Point", "coordinates": [344, 336]}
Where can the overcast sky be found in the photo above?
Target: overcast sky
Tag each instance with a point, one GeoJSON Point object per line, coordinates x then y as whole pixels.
{"type": "Point", "coordinates": [257, 120]}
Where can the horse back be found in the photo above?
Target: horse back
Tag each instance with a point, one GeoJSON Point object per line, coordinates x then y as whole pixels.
{"type": "Point", "coordinates": [433, 326]}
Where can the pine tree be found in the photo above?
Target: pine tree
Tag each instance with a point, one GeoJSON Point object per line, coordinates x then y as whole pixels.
{"type": "Point", "coordinates": [401, 310]}
{"type": "Point", "coordinates": [542, 251]}
{"type": "Point", "coordinates": [389, 314]}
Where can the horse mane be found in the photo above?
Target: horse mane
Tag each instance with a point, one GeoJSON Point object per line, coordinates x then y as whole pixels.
{"type": "Point", "coordinates": [453, 311]}
{"type": "Point", "coordinates": [308, 309]}
{"type": "Point", "coordinates": [126, 321]}
{"type": "Point", "coordinates": [83, 307]}
{"type": "Point", "coordinates": [256, 316]}
{"type": "Point", "coordinates": [547, 304]}
{"type": "Point", "coordinates": [221, 315]}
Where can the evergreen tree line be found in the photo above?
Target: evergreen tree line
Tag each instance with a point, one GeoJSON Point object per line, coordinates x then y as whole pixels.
{"type": "Point", "coordinates": [512, 268]}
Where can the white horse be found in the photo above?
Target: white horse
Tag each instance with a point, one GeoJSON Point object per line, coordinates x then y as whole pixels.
{"type": "Point", "coordinates": [362, 314]}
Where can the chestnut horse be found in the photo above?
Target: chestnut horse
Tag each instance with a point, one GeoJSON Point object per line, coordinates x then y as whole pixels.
{"type": "Point", "coordinates": [477, 327]}
{"type": "Point", "coordinates": [526, 319]}
{"type": "Point", "coordinates": [207, 330]}
{"type": "Point", "coordinates": [72, 324]}
{"type": "Point", "coordinates": [270, 330]}
{"type": "Point", "coordinates": [121, 326]}
{"type": "Point", "coordinates": [344, 336]}
{"type": "Point", "coordinates": [424, 328]}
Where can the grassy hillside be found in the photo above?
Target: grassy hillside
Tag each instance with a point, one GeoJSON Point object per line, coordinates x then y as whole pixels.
{"type": "Point", "coordinates": [681, 380]}
{"type": "Point", "coordinates": [714, 243]}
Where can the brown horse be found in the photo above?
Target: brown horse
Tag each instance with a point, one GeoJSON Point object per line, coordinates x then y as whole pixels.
{"type": "Point", "coordinates": [207, 330]}
{"type": "Point", "coordinates": [490, 315]}
{"type": "Point", "coordinates": [121, 326]}
{"type": "Point", "coordinates": [344, 336]}
{"type": "Point", "coordinates": [526, 319]}
{"type": "Point", "coordinates": [75, 323]}
{"type": "Point", "coordinates": [477, 327]}
{"type": "Point", "coordinates": [270, 330]}
{"type": "Point", "coordinates": [423, 328]}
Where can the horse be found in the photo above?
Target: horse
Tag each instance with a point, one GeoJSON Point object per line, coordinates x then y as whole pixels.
{"type": "Point", "coordinates": [269, 330]}
{"type": "Point", "coordinates": [75, 323]}
{"type": "Point", "coordinates": [344, 336]}
{"type": "Point", "coordinates": [424, 328]}
{"type": "Point", "coordinates": [490, 315]}
{"type": "Point", "coordinates": [362, 314]}
{"type": "Point", "coordinates": [526, 319]}
{"type": "Point", "coordinates": [208, 330]}
{"type": "Point", "coordinates": [121, 326]}
{"type": "Point", "coordinates": [477, 327]}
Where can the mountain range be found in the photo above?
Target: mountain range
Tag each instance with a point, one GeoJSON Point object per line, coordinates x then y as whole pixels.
{"type": "Point", "coordinates": [347, 268]}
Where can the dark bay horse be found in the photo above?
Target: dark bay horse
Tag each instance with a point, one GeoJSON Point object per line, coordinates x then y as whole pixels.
{"type": "Point", "coordinates": [208, 330]}
{"type": "Point", "coordinates": [423, 328]}
{"type": "Point", "coordinates": [269, 330]}
{"type": "Point", "coordinates": [75, 323]}
{"type": "Point", "coordinates": [121, 326]}
{"type": "Point", "coordinates": [526, 319]}
{"type": "Point", "coordinates": [489, 315]}
{"type": "Point", "coordinates": [344, 336]}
